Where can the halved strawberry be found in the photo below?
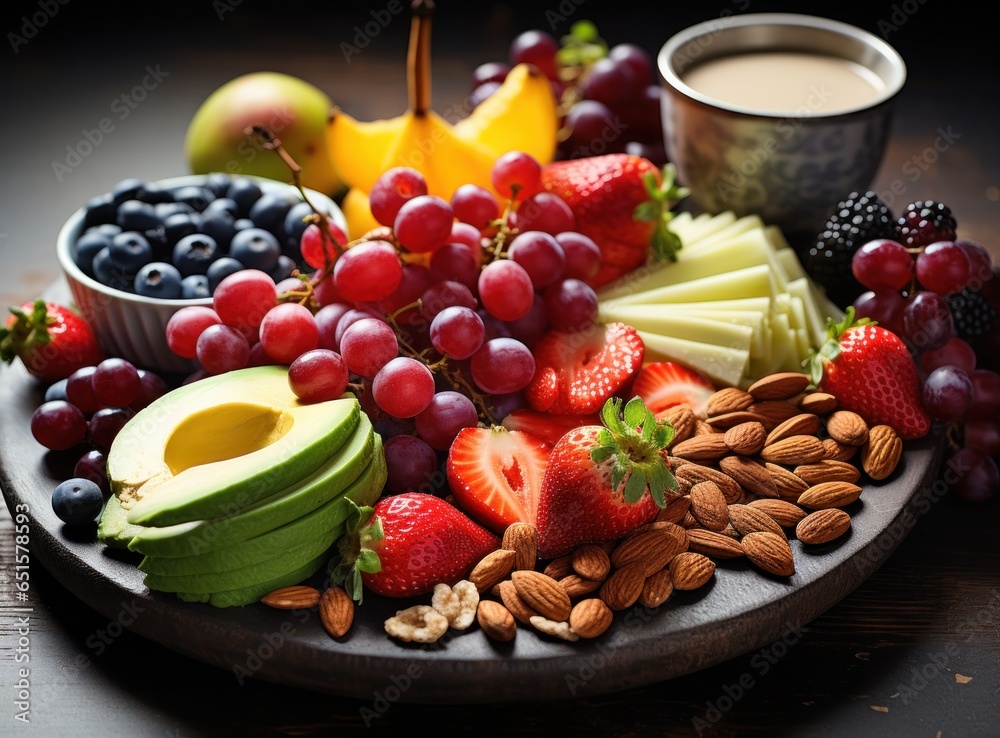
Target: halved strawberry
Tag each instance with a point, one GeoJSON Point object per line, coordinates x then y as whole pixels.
{"type": "Point", "coordinates": [664, 384]}
{"type": "Point", "coordinates": [576, 372]}
{"type": "Point", "coordinates": [495, 474]}
{"type": "Point", "coordinates": [547, 426]}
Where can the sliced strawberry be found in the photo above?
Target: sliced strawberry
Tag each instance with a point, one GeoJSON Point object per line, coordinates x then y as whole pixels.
{"type": "Point", "coordinates": [495, 474]}
{"type": "Point", "coordinates": [547, 426]}
{"type": "Point", "coordinates": [576, 372]}
{"type": "Point", "coordinates": [664, 384]}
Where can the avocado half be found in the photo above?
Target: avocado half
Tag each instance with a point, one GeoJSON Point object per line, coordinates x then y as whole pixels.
{"type": "Point", "coordinates": [218, 445]}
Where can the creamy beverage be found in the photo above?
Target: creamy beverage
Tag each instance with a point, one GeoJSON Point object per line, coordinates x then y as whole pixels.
{"type": "Point", "coordinates": [785, 82]}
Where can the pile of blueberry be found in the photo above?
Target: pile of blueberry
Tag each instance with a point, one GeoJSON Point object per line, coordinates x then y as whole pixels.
{"type": "Point", "coordinates": [180, 242]}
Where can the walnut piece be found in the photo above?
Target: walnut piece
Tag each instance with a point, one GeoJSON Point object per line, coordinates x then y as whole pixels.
{"type": "Point", "coordinates": [458, 604]}
{"type": "Point", "coordinates": [419, 624]}
{"type": "Point", "coordinates": [559, 629]}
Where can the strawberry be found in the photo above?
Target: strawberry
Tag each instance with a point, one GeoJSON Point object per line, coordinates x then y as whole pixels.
{"type": "Point", "coordinates": [604, 481]}
{"type": "Point", "coordinates": [406, 544]}
{"type": "Point", "coordinates": [663, 384]}
{"type": "Point", "coordinates": [622, 202]}
{"type": "Point", "coordinates": [495, 474]}
{"type": "Point", "coordinates": [50, 339]}
{"type": "Point", "coordinates": [549, 427]}
{"type": "Point", "coordinates": [871, 372]}
{"type": "Point", "coordinates": [576, 372]}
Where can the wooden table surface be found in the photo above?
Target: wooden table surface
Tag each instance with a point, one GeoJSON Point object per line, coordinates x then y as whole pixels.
{"type": "Point", "coordinates": [914, 651]}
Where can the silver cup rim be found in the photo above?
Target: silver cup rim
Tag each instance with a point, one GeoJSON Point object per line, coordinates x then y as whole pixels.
{"type": "Point", "coordinates": [668, 52]}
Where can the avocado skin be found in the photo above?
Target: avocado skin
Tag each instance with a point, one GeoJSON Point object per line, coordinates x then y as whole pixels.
{"type": "Point", "coordinates": [199, 537]}
{"type": "Point", "coordinates": [254, 592]}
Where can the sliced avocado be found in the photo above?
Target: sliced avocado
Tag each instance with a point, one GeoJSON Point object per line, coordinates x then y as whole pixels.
{"type": "Point", "coordinates": [217, 581]}
{"type": "Point", "coordinates": [113, 528]}
{"type": "Point", "coordinates": [258, 550]}
{"type": "Point", "coordinates": [199, 537]}
{"type": "Point", "coordinates": [204, 451]}
{"type": "Point", "coordinates": [254, 592]}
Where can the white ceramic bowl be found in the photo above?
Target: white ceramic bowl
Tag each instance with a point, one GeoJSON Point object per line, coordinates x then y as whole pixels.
{"type": "Point", "coordinates": [131, 326]}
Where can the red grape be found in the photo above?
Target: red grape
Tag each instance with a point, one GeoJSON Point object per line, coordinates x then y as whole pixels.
{"type": "Point", "coordinates": [457, 332]}
{"type": "Point", "coordinates": [105, 424]}
{"type": "Point", "coordinates": [58, 425]}
{"type": "Point", "coordinates": [955, 352]}
{"type": "Point", "coordinates": [884, 308]}
{"type": "Point", "coordinates": [502, 365]}
{"type": "Point", "coordinates": [883, 265]}
{"type": "Point", "coordinates": [392, 189]}
{"type": "Point", "coordinates": [423, 223]}
{"type": "Point", "coordinates": [475, 205]}
{"type": "Point", "coordinates": [319, 252]}
{"type": "Point", "coordinates": [636, 58]}
{"type": "Point", "coordinates": [288, 331]}
{"type": "Point", "coordinates": [116, 382]}
{"type": "Point", "coordinates": [536, 47]}
{"type": "Point", "coordinates": [318, 375]}
{"type": "Point", "coordinates": [186, 325]}
{"type": "Point", "coordinates": [505, 289]}
{"type": "Point", "coordinates": [985, 394]}
{"type": "Point", "coordinates": [410, 462]}
{"type": "Point", "coordinates": [368, 345]}
{"type": "Point", "coordinates": [93, 465]}
{"type": "Point", "coordinates": [583, 255]}
{"type": "Point", "coordinates": [403, 387]}
{"type": "Point", "coordinates": [571, 305]}
{"type": "Point", "coordinates": [983, 435]}
{"type": "Point", "coordinates": [327, 318]}
{"type": "Point", "coordinates": [442, 419]}
{"type": "Point", "coordinates": [443, 295]}
{"type": "Point", "coordinates": [611, 82]}
{"type": "Point", "coordinates": [80, 389]}
{"type": "Point", "coordinates": [974, 475]}
{"type": "Point", "coordinates": [541, 256]}
{"type": "Point", "coordinates": [221, 349]}
{"type": "Point", "coordinates": [543, 211]}
{"type": "Point", "coordinates": [980, 263]}
{"type": "Point", "coordinates": [489, 72]}
{"type": "Point", "coordinates": [455, 262]}
{"type": "Point", "coordinates": [368, 272]}
{"type": "Point", "coordinates": [927, 321]}
{"type": "Point", "coordinates": [516, 175]}
{"type": "Point", "coordinates": [151, 388]}
{"type": "Point", "coordinates": [529, 327]}
{"type": "Point", "coordinates": [943, 267]}
{"type": "Point", "coordinates": [592, 128]}
{"type": "Point", "coordinates": [242, 299]}
{"type": "Point", "coordinates": [947, 393]}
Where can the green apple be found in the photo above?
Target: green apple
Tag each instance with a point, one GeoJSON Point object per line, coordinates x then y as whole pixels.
{"type": "Point", "coordinates": [294, 110]}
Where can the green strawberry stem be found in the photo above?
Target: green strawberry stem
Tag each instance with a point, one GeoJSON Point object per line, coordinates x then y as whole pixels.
{"type": "Point", "coordinates": [635, 438]}
{"type": "Point", "coordinates": [28, 331]}
{"type": "Point", "coordinates": [356, 550]}
{"type": "Point", "coordinates": [662, 197]}
{"type": "Point", "coordinates": [815, 362]}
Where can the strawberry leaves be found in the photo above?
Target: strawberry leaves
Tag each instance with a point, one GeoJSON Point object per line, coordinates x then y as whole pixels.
{"type": "Point", "coordinates": [356, 549]}
{"type": "Point", "coordinates": [29, 330]}
{"type": "Point", "coordinates": [663, 195]}
{"type": "Point", "coordinates": [831, 348]}
{"type": "Point", "coordinates": [634, 438]}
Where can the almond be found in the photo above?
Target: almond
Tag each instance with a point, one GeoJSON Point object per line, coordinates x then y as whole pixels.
{"type": "Point", "coordinates": [676, 507]}
{"type": "Point", "coordinates": [881, 454]}
{"type": "Point", "coordinates": [746, 439]}
{"type": "Point", "coordinates": [847, 427]}
{"type": "Point", "coordinates": [746, 520]}
{"type": "Point", "coordinates": [838, 451]}
{"type": "Point", "coordinates": [657, 589]}
{"type": "Point", "coordinates": [728, 400]}
{"type": "Point", "coordinates": [576, 586]}
{"type": "Point", "coordinates": [623, 587]}
{"type": "Point", "coordinates": [818, 403]}
{"type": "Point", "coordinates": [703, 428]}
{"type": "Point", "coordinates": [803, 424]}
{"type": "Point", "coordinates": [542, 594]}
{"type": "Point", "coordinates": [728, 420]}
{"type": "Point", "coordinates": [682, 419]}
{"type": "Point", "coordinates": [294, 597]}
{"type": "Point", "coordinates": [590, 618]}
{"type": "Point", "coordinates": [827, 470]}
{"type": "Point", "coordinates": [690, 570]}
{"type": "Point", "coordinates": [708, 506]}
{"type": "Point", "coordinates": [794, 450]}
{"type": "Point", "coordinates": [591, 562]}
{"type": "Point", "coordinates": [336, 611]}
{"type": "Point", "coordinates": [774, 412]}
{"type": "Point", "coordinates": [714, 545]}
{"type": "Point", "coordinates": [694, 473]}
{"type": "Point", "coordinates": [750, 474]}
{"type": "Point", "coordinates": [650, 549]}
{"type": "Point", "coordinates": [559, 567]}
{"type": "Point", "coordinates": [784, 513]}
{"type": "Point", "coordinates": [770, 552]}
{"type": "Point", "coordinates": [520, 609]}
{"type": "Point", "coordinates": [493, 568]}
{"type": "Point", "coordinates": [823, 526]}
{"type": "Point", "coordinates": [779, 386]}
{"type": "Point", "coordinates": [496, 620]}
{"type": "Point", "coordinates": [789, 486]}
{"type": "Point", "coordinates": [707, 447]}
{"type": "Point", "coordinates": [829, 494]}
{"type": "Point", "coordinates": [522, 539]}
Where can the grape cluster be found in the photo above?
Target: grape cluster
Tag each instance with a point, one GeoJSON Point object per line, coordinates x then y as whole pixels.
{"type": "Point", "coordinates": [609, 99]}
{"type": "Point", "coordinates": [941, 294]}
{"type": "Point", "coordinates": [430, 318]}
{"type": "Point", "coordinates": [179, 242]}
{"type": "Point", "coordinates": [83, 413]}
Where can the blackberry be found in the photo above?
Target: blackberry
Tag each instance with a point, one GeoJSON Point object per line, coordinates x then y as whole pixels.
{"type": "Point", "coordinates": [923, 222]}
{"type": "Point", "coordinates": [858, 219]}
{"type": "Point", "coordinates": [972, 312]}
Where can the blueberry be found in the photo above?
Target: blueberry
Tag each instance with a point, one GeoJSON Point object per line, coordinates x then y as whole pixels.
{"type": "Point", "coordinates": [244, 192]}
{"type": "Point", "coordinates": [154, 193]}
{"type": "Point", "coordinates": [165, 209]}
{"type": "Point", "coordinates": [195, 287]}
{"type": "Point", "coordinates": [56, 391]}
{"type": "Point", "coordinates": [218, 183]}
{"type": "Point", "coordinates": [255, 248]}
{"type": "Point", "coordinates": [270, 210]}
{"type": "Point", "coordinates": [135, 215]}
{"type": "Point", "coordinates": [86, 248]}
{"type": "Point", "coordinates": [108, 273]}
{"type": "Point", "coordinates": [193, 254]}
{"type": "Point", "coordinates": [195, 196]}
{"type": "Point", "coordinates": [283, 268]}
{"type": "Point", "coordinates": [222, 204]}
{"type": "Point", "coordinates": [130, 250]}
{"type": "Point", "coordinates": [108, 229]}
{"type": "Point", "coordinates": [241, 224]}
{"type": "Point", "coordinates": [221, 268]}
{"type": "Point", "coordinates": [179, 225]}
{"type": "Point", "coordinates": [158, 279]}
{"type": "Point", "coordinates": [77, 501]}
{"type": "Point", "coordinates": [126, 189]}
{"type": "Point", "coordinates": [220, 226]}
{"type": "Point", "coordinates": [99, 209]}
{"type": "Point", "coordinates": [294, 226]}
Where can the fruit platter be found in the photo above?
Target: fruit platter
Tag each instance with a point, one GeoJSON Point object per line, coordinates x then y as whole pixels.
{"type": "Point", "coordinates": [477, 407]}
